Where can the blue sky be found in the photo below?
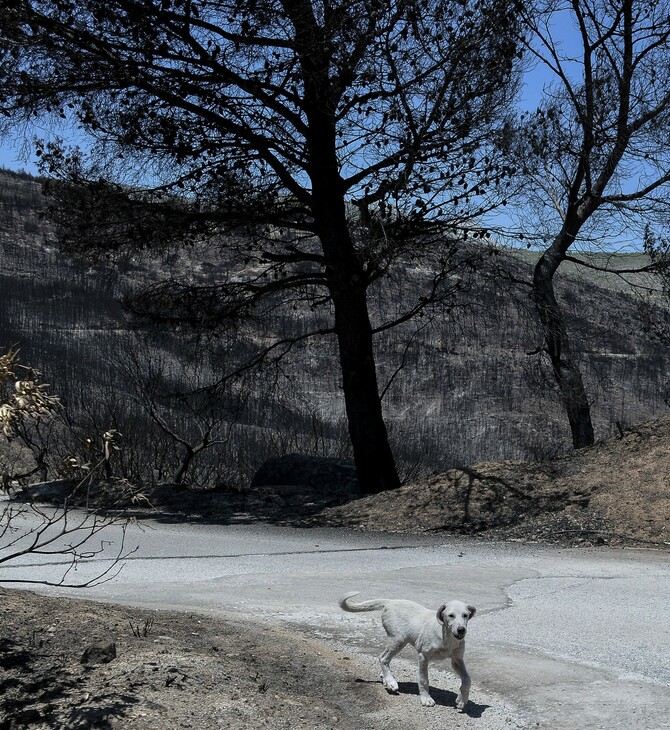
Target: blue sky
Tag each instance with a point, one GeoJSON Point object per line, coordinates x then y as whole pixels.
{"type": "Point", "coordinates": [16, 149]}
{"type": "Point", "coordinates": [11, 159]}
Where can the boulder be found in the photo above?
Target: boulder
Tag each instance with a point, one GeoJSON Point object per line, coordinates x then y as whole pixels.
{"type": "Point", "coordinates": [54, 491]}
{"type": "Point", "coordinates": [321, 476]}
{"type": "Point", "coordinates": [100, 653]}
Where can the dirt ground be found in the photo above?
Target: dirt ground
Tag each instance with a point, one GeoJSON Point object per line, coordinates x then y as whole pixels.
{"type": "Point", "coordinates": [616, 492]}
{"type": "Point", "coordinates": [171, 670]}
{"type": "Point", "coordinates": [176, 670]}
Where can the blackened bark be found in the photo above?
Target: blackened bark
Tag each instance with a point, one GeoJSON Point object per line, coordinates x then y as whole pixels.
{"type": "Point", "coordinates": [557, 346]}
{"type": "Point", "coordinates": [186, 459]}
{"type": "Point", "coordinates": [346, 277]}
{"type": "Point", "coordinates": [190, 452]}
{"type": "Point", "coordinates": [347, 283]}
{"type": "Point", "coordinates": [372, 453]}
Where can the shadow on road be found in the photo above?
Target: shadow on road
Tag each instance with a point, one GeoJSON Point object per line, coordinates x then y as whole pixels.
{"type": "Point", "coordinates": [442, 697]}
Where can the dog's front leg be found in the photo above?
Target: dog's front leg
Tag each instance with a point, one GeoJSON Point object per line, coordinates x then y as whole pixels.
{"type": "Point", "coordinates": [459, 667]}
{"type": "Point", "coordinates": [426, 699]}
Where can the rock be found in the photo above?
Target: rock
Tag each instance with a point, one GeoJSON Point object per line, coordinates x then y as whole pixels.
{"type": "Point", "coordinates": [56, 491]}
{"type": "Point", "coordinates": [29, 716]}
{"type": "Point", "coordinates": [319, 475]}
{"type": "Point", "coordinates": [100, 653]}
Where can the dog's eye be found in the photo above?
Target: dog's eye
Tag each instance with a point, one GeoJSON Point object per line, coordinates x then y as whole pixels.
{"type": "Point", "coordinates": [451, 615]}
{"type": "Point", "coordinates": [466, 615]}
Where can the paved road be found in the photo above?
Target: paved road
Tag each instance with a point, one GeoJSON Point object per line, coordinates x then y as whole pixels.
{"type": "Point", "coordinates": [563, 639]}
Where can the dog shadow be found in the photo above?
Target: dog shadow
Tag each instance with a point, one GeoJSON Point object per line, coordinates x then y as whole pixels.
{"type": "Point", "coordinates": [442, 697]}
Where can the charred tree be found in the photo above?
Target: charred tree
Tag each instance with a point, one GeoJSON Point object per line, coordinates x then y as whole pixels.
{"type": "Point", "coordinates": [318, 142]}
{"type": "Point", "coordinates": [593, 156]}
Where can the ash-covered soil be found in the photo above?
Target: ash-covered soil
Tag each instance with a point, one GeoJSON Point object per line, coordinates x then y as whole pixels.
{"type": "Point", "coordinates": [616, 492]}
{"type": "Point", "coordinates": [171, 670]}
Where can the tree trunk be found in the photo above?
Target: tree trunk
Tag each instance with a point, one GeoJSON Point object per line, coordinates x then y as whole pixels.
{"type": "Point", "coordinates": [372, 452]}
{"type": "Point", "coordinates": [43, 470]}
{"type": "Point", "coordinates": [557, 346]}
{"type": "Point", "coordinates": [345, 273]}
{"type": "Point", "coordinates": [186, 459]}
{"type": "Point", "coordinates": [347, 284]}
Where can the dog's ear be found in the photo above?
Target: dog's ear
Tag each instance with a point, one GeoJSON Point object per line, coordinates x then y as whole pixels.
{"type": "Point", "coordinates": [439, 613]}
{"type": "Point", "coordinates": [472, 611]}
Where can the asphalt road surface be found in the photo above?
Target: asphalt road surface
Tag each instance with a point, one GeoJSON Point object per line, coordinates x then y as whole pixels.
{"type": "Point", "coordinates": [563, 638]}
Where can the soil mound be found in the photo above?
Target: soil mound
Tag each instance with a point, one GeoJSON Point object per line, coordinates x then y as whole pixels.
{"type": "Point", "coordinates": [615, 492]}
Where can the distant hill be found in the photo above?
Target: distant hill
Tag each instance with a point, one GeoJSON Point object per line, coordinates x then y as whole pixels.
{"type": "Point", "coordinates": [467, 392]}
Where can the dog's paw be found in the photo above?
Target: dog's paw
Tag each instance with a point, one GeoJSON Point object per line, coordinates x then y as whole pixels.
{"type": "Point", "coordinates": [461, 703]}
{"type": "Point", "coordinates": [390, 685]}
{"type": "Point", "coordinates": [427, 701]}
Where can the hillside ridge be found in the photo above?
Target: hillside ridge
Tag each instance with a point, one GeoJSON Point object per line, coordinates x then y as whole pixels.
{"type": "Point", "coordinates": [468, 392]}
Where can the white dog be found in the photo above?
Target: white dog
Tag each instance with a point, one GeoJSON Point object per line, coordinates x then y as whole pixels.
{"type": "Point", "coordinates": [434, 634]}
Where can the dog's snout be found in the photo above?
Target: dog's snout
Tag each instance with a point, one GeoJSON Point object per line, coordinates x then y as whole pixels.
{"type": "Point", "coordinates": [460, 632]}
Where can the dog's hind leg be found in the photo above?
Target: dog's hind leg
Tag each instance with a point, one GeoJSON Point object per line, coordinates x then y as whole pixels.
{"type": "Point", "coordinates": [392, 647]}
{"type": "Point", "coordinates": [459, 667]}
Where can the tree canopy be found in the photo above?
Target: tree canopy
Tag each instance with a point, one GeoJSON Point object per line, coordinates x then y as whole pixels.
{"type": "Point", "coordinates": [222, 98]}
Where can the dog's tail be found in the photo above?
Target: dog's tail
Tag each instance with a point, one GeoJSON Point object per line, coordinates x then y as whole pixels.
{"type": "Point", "coordinates": [374, 605]}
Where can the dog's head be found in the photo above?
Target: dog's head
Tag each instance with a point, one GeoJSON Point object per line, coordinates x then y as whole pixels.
{"type": "Point", "coordinates": [454, 616]}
